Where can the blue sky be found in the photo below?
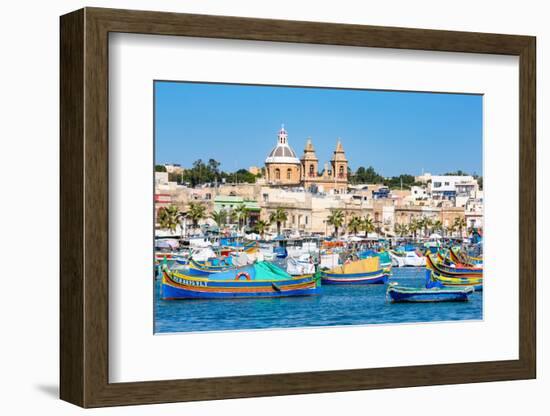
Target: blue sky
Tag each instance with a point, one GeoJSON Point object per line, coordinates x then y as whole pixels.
{"type": "Point", "coordinates": [395, 132]}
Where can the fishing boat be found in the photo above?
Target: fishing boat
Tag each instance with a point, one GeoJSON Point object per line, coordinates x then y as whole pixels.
{"type": "Point", "coordinates": [300, 266]}
{"type": "Point", "coordinates": [384, 256]}
{"type": "Point", "coordinates": [438, 281]}
{"type": "Point", "coordinates": [204, 268]}
{"type": "Point", "coordinates": [396, 293]}
{"type": "Point", "coordinates": [258, 280]}
{"type": "Point", "coordinates": [407, 259]}
{"type": "Point", "coordinates": [452, 270]}
{"type": "Point", "coordinates": [365, 271]}
{"type": "Point", "coordinates": [460, 258]}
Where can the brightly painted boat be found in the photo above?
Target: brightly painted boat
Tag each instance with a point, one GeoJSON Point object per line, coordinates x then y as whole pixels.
{"type": "Point", "coordinates": [385, 262]}
{"type": "Point", "coordinates": [458, 257]}
{"type": "Point", "coordinates": [365, 271]}
{"type": "Point", "coordinates": [397, 293]}
{"type": "Point", "coordinates": [258, 280]}
{"type": "Point", "coordinates": [433, 280]}
{"type": "Point", "coordinates": [384, 256]}
{"type": "Point", "coordinates": [449, 271]}
{"type": "Point", "coordinates": [204, 268]}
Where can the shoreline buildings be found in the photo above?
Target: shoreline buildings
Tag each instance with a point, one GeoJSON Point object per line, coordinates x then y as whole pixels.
{"type": "Point", "coordinates": [308, 195]}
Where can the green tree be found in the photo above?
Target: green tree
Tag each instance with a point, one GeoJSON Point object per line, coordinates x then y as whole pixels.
{"type": "Point", "coordinates": [168, 218]}
{"type": "Point", "coordinates": [425, 224]}
{"type": "Point", "coordinates": [451, 229]}
{"type": "Point", "coordinates": [232, 216]}
{"type": "Point", "coordinates": [456, 173]}
{"type": "Point", "coordinates": [196, 212]}
{"type": "Point", "coordinates": [414, 226]}
{"type": "Point", "coordinates": [244, 175]}
{"type": "Point", "coordinates": [368, 226]}
{"type": "Point", "coordinates": [214, 168]}
{"type": "Point", "coordinates": [261, 226]}
{"type": "Point", "coordinates": [355, 224]}
{"type": "Point", "coordinates": [400, 229]}
{"type": "Point", "coordinates": [241, 213]}
{"type": "Point", "coordinates": [404, 181]}
{"type": "Point", "coordinates": [159, 168]}
{"type": "Point", "coordinates": [460, 224]}
{"type": "Point", "coordinates": [336, 219]}
{"type": "Point", "coordinates": [220, 217]}
{"type": "Point", "coordinates": [278, 216]}
{"type": "Point", "coordinates": [437, 226]}
{"type": "Point", "coordinates": [368, 175]}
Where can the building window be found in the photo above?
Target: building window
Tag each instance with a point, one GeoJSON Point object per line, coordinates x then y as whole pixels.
{"type": "Point", "coordinates": [437, 184]}
{"type": "Point", "coordinates": [288, 174]}
{"type": "Point", "coordinates": [311, 170]}
{"type": "Point", "coordinates": [341, 172]}
{"type": "Point", "coordinates": [306, 219]}
{"type": "Point", "coordinates": [278, 174]}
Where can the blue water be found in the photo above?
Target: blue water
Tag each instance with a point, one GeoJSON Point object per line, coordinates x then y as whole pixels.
{"type": "Point", "coordinates": [337, 305]}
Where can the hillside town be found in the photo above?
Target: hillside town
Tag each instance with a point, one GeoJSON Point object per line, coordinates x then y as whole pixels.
{"type": "Point", "coordinates": [292, 196]}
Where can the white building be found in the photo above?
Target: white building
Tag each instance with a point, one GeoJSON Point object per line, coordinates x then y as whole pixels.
{"type": "Point", "coordinates": [449, 187]}
{"type": "Point", "coordinates": [419, 193]}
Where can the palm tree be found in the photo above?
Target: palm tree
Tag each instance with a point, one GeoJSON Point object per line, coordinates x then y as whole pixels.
{"type": "Point", "coordinates": [400, 229]}
{"type": "Point", "coordinates": [261, 226]}
{"type": "Point", "coordinates": [336, 219]}
{"type": "Point", "coordinates": [232, 216]}
{"type": "Point", "coordinates": [421, 225]}
{"type": "Point", "coordinates": [241, 213]}
{"type": "Point", "coordinates": [196, 213]}
{"type": "Point", "coordinates": [219, 217]}
{"type": "Point", "coordinates": [437, 226]}
{"type": "Point", "coordinates": [459, 223]}
{"type": "Point", "coordinates": [451, 229]}
{"type": "Point", "coordinates": [355, 224]}
{"type": "Point", "coordinates": [414, 226]}
{"type": "Point", "coordinates": [368, 226]}
{"type": "Point", "coordinates": [278, 216]}
{"type": "Point", "coordinates": [427, 223]}
{"type": "Point", "coordinates": [169, 217]}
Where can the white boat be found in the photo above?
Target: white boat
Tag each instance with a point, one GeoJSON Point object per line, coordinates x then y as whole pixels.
{"type": "Point", "coordinates": [301, 266]}
{"type": "Point", "coordinates": [307, 247]}
{"type": "Point", "coordinates": [407, 259]}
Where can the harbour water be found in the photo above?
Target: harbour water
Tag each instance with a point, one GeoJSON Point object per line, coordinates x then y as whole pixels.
{"type": "Point", "coordinates": [336, 306]}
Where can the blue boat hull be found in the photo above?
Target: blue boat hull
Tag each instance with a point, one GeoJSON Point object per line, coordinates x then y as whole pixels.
{"type": "Point", "coordinates": [376, 278]}
{"type": "Point", "coordinates": [428, 296]}
{"type": "Point", "coordinates": [177, 286]}
{"type": "Point", "coordinates": [169, 293]}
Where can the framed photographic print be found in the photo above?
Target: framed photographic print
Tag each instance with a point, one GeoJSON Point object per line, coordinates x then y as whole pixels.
{"type": "Point", "coordinates": [255, 207]}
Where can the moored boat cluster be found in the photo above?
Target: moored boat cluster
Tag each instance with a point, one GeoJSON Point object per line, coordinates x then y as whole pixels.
{"type": "Point", "coordinates": [235, 269]}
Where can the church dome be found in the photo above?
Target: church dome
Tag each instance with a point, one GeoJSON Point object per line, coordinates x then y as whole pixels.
{"type": "Point", "coordinates": [282, 153]}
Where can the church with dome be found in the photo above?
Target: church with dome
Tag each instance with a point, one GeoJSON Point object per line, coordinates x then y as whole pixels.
{"type": "Point", "coordinates": [284, 168]}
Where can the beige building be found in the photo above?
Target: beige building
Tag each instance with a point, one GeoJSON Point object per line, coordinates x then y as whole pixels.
{"type": "Point", "coordinates": [283, 168]}
{"type": "Point", "coordinates": [255, 170]}
{"type": "Point", "coordinates": [174, 168]}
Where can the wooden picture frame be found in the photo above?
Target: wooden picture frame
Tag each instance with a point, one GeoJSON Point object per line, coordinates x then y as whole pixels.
{"type": "Point", "coordinates": [84, 207]}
